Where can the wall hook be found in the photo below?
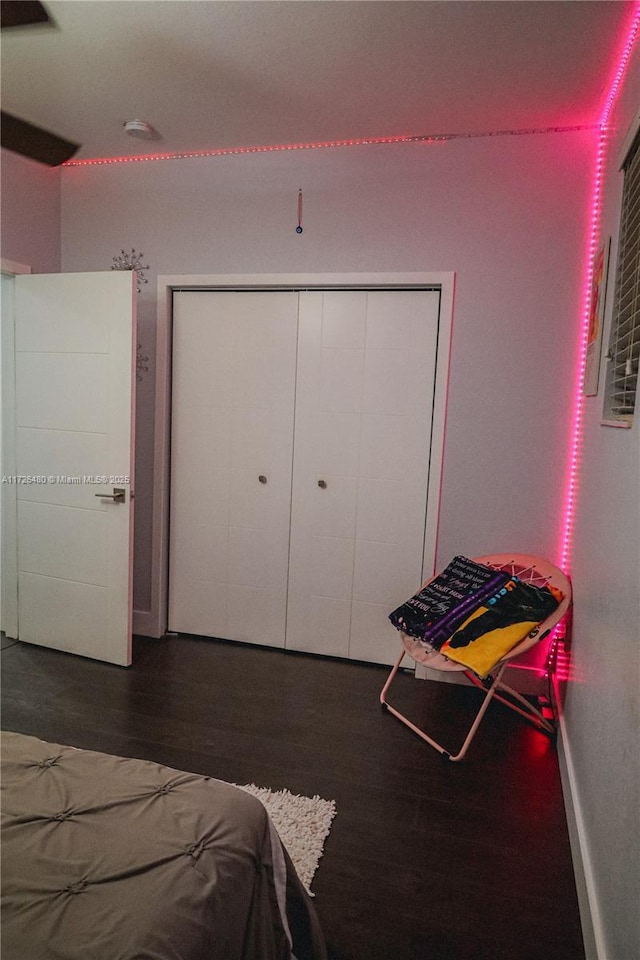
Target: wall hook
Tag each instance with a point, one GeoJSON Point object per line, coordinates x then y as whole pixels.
{"type": "Point", "coordinates": [299, 227]}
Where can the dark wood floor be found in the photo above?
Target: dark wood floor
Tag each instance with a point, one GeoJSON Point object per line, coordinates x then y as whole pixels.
{"type": "Point", "coordinates": [426, 860]}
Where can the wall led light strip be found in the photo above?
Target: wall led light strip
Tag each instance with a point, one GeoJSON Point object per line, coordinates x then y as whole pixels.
{"type": "Point", "coordinates": [595, 213]}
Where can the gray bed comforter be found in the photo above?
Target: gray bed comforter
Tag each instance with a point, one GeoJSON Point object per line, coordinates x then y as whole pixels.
{"type": "Point", "coordinates": [107, 858]}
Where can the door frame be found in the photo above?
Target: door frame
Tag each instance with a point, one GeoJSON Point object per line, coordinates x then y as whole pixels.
{"type": "Point", "coordinates": [9, 492]}
{"type": "Point", "coordinates": [443, 282]}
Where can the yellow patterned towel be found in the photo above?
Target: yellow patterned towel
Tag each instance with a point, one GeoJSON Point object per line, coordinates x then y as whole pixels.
{"type": "Point", "coordinates": [495, 628]}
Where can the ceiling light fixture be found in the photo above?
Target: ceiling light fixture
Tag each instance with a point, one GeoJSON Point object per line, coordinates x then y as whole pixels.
{"type": "Point", "coordinates": [141, 130]}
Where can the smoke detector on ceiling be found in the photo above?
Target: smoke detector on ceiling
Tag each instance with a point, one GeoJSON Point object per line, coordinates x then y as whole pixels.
{"type": "Point", "coordinates": [141, 130]}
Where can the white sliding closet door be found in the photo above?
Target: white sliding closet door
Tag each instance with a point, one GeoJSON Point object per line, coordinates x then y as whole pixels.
{"type": "Point", "coordinates": [364, 407]}
{"type": "Point", "coordinates": [234, 361]}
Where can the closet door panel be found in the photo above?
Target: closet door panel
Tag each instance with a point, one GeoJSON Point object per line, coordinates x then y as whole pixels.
{"type": "Point", "coordinates": [378, 569]}
{"type": "Point", "coordinates": [255, 612]}
{"type": "Point", "coordinates": [260, 438]}
{"type": "Point", "coordinates": [333, 508]}
{"type": "Point", "coordinates": [384, 445]}
{"type": "Point", "coordinates": [336, 439]}
{"type": "Point", "coordinates": [248, 551]}
{"type": "Point", "coordinates": [323, 519]}
{"type": "Point", "coordinates": [372, 636]}
{"type": "Point", "coordinates": [341, 371]}
{"type": "Point", "coordinates": [380, 509]}
{"type": "Point", "coordinates": [385, 389]}
{"type": "Point", "coordinates": [209, 550]}
{"type": "Point", "coordinates": [331, 568]}
{"type": "Point", "coordinates": [206, 613]}
{"type": "Point", "coordinates": [328, 622]}
{"type": "Point", "coordinates": [344, 321]}
{"type": "Point", "coordinates": [366, 371]}
{"type": "Point", "coordinates": [203, 387]}
{"type": "Point", "coordinates": [232, 424]}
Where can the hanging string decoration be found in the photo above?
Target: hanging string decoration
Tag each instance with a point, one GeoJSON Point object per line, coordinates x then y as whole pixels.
{"type": "Point", "coordinates": [142, 364]}
{"type": "Point", "coordinates": [299, 227]}
{"type": "Point", "coordinates": [131, 261]}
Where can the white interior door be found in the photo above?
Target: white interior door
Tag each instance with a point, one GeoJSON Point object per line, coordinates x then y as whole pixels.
{"type": "Point", "coordinates": [8, 564]}
{"type": "Point", "coordinates": [364, 409]}
{"type": "Point", "coordinates": [74, 395]}
{"type": "Point", "coordinates": [233, 390]}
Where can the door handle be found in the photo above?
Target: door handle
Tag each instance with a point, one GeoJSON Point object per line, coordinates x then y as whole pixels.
{"type": "Point", "coordinates": [118, 495]}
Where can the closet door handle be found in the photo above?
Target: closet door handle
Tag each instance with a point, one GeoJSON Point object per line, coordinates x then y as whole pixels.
{"type": "Point", "coordinates": [322, 484]}
{"type": "Point", "coordinates": [262, 478]}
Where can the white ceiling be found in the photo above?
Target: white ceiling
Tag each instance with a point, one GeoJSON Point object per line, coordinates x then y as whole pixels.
{"type": "Point", "coordinates": [211, 75]}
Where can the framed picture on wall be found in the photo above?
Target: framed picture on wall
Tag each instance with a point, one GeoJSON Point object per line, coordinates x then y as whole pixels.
{"type": "Point", "coordinates": [596, 319]}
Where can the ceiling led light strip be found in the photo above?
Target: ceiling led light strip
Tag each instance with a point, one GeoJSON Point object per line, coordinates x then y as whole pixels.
{"type": "Point", "coordinates": [324, 145]}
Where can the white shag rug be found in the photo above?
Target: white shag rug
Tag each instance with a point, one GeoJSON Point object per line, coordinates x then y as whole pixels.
{"type": "Point", "coordinates": [303, 824]}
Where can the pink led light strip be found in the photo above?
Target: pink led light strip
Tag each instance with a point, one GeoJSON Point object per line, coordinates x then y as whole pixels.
{"type": "Point", "coordinates": [593, 238]}
{"type": "Point", "coordinates": [325, 144]}
{"type": "Point", "coordinates": [235, 151]}
{"type": "Point", "coordinates": [594, 230]}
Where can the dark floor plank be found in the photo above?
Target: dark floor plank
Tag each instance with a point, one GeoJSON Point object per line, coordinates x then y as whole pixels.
{"type": "Point", "coordinates": [426, 860]}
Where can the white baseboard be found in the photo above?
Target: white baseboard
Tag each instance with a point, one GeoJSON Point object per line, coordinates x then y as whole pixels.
{"type": "Point", "coordinates": [592, 931]}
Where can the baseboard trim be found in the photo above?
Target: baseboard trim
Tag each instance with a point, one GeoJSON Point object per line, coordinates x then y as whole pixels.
{"type": "Point", "coordinates": [592, 930]}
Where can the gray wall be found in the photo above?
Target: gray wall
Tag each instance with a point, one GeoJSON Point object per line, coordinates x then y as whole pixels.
{"type": "Point", "coordinates": [602, 711]}
{"type": "Point", "coordinates": [30, 224]}
{"type": "Point", "coordinates": [507, 214]}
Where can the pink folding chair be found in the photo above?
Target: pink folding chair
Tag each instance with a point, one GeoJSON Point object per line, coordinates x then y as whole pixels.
{"type": "Point", "coordinates": [529, 569]}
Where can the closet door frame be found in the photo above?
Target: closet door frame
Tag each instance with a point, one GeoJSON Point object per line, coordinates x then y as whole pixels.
{"type": "Point", "coordinates": [442, 282]}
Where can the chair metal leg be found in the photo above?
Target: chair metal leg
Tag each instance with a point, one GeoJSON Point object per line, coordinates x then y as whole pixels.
{"type": "Point", "coordinates": [394, 670]}
{"type": "Point", "coordinates": [433, 743]}
{"type": "Point", "coordinates": [530, 713]}
{"type": "Point", "coordinates": [480, 715]}
{"type": "Point", "coordinates": [401, 716]}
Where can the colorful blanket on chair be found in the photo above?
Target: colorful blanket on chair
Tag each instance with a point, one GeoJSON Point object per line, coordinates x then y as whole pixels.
{"type": "Point", "coordinates": [443, 604]}
{"type": "Point", "coordinates": [497, 626]}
